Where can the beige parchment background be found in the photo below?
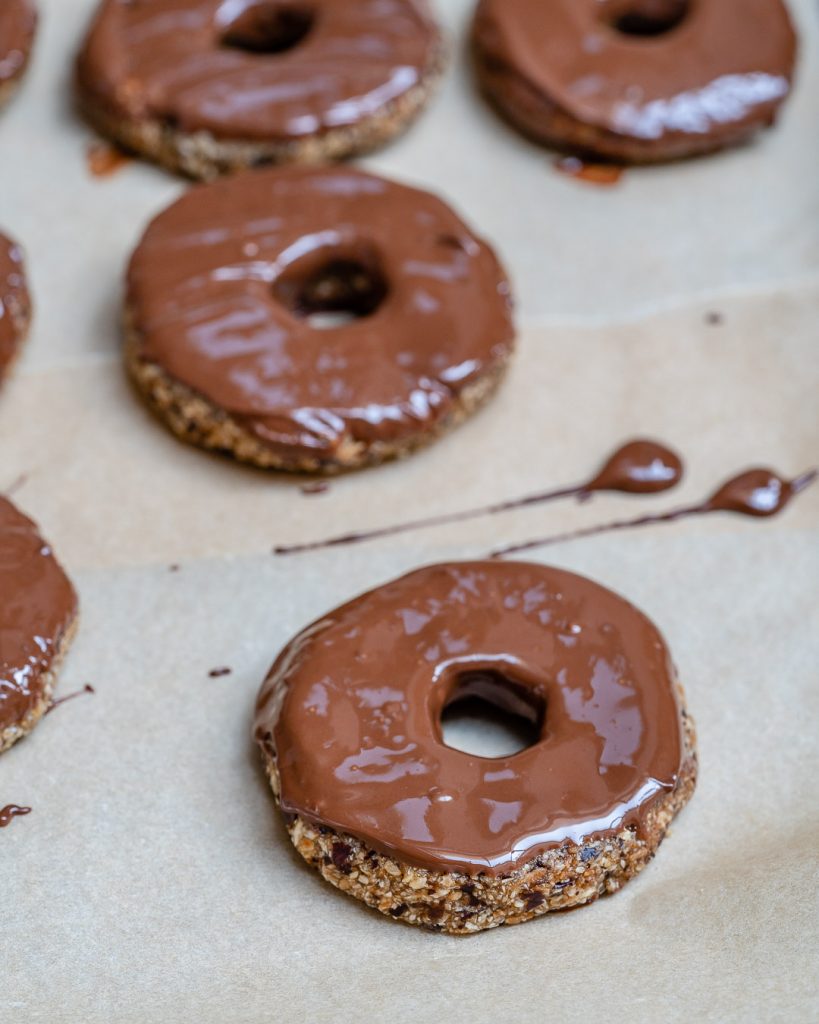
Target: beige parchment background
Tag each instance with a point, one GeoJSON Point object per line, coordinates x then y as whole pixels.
{"type": "Point", "coordinates": [153, 880]}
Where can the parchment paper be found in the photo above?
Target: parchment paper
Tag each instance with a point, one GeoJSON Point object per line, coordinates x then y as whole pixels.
{"type": "Point", "coordinates": [153, 880]}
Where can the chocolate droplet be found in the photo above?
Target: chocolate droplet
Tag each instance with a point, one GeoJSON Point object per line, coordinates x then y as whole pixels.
{"type": "Point", "coordinates": [757, 492]}
{"type": "Point", "coordinates": [639, 467]}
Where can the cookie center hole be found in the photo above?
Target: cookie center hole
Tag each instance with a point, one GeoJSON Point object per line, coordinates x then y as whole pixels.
{"type": "Point", "coordinates": [269, 28]}
{"type": "Point", "coordinates": [338, 292]}
{"type": "Point", "coordinates": [490, 715]}
{"type": "Point", "coordinates": [648, 18]}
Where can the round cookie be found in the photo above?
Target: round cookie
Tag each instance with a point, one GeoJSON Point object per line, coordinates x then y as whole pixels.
{"type": "Point", "coordinates": [206, 87]}
{"type": "Point", "coordinates": [349, 724]}
{"type": "Point", "coordinates": [635, 80]}
{"type": "Point", "coordinates": [228, 297]}
{"type": "Point", "coordinates": [15, 303]}
{"type": "Point", "coordinates": [38, 618]}
{"type": "Point", "coordinates": [18, 23]}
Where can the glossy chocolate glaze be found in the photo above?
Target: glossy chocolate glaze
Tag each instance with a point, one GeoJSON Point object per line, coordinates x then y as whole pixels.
{"type": "Point", "coordinates": [37, 606]}
{"type": "Point", "coordinates": [759, 493]}
{"type": "Point", "coordinates": [723, 68]}
{"type": "Point", "coordinates": [215, 286]}
{"type": "Point", "coordinates": [351, 713]}
{"type": "Point", "coordinates": [18, 21]}
{"type": "Point", "coordinates": [638, 467]}
{"type": "Point", "coordinates": [178, 61]}
{"type": "Point", "coordinates": [11, 811]}
{"type": "Point", "coordinates": [14, 300]}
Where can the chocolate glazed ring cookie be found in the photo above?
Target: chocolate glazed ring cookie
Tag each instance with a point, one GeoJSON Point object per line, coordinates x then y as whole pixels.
{"type": "Point", "coordinates": [15, 304]}
{"type": "Point", "coordinates": [210, 86]}
{"type": "Point", "coordinates": [38, 618]}
{"type": "Point", "coordinates": [314, 319]}
{"type": "Point", "coordinates": [349, 723]}
{"type": "Point", "coordinates": [636, 80]}
{"type": "Point", "coordinates": [18, 23]}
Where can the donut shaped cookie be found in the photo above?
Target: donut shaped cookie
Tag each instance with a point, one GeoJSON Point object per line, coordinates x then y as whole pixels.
{"type": "Point", "coordinates": [205, 87]}
{"type": "Point", "coordinates": [15, 304]}
{"type": "Point", "coordinates": [228, 295]}
{"type": "Point", "coordinates": [636, 80]}
{"type": "Point", "coordinates": [18, 23]}
{"type": "Point", "coordinates": [349, 724]}
{"type": "Point", "coordinates": [38, 617]}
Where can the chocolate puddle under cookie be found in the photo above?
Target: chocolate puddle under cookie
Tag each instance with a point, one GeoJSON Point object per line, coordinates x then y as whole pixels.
{"type": "Point", "coordinates": [635, 81]}
{"type": "Point", "coordinates": [38, 618]}
{"type": "Point", "coordinates": [314, 319]}
{"type": "Point", "coordinates": [349, 724]}
{"type": "Point", "coordinates": [18, 25]}
{"type": "Point", "coordinates": [15, 303]}
{"type": "Point", "coordinates": [211, 86]}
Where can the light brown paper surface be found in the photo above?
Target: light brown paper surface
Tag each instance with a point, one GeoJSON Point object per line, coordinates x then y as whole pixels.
{"type": "Point", "coordinates": [153, 880]}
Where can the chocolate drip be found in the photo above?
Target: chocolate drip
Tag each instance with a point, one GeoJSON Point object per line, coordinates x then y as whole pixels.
{"type": "Point", "coordinates": [593, 173]}
{"type": "Point", "coordinates": [638, 467]}
{"type": "Point", "coordinates": [88, 688]}
{"type": "Point", "coordinates": [12, 811]}
{"type": "Point", "coordinates": [105, 159]}
{"type": "Point", "coordinates": [760, 493]}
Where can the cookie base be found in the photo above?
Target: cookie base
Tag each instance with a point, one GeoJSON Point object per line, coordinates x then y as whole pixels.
{"type": "Point", "coordinates": [459, 904]}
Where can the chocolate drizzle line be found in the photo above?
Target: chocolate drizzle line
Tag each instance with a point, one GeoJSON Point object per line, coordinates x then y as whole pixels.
{"type": "Point", "coordinates": [759, 493]}
{"type": "Point", "coordinates": [88, 688]}
{"type": "Point", "coordinates": [638, 467]}
{"type": "Point", "coordinates": [12, 811]}
{"type": "Point", "coordinates": [16, 484]}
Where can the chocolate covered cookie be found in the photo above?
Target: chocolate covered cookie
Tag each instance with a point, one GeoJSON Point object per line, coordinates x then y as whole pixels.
{"type": "Point", "coordinates": [314, 319]}
{"type": "Point", "coordinates": [206, 87]}
{"type": "Point", "coordinates": [636, 80]}
{"type": "Point", "coordinates": [349, 725]}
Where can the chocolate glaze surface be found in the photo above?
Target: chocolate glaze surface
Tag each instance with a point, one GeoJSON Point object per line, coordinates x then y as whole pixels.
{"type": "Point", "coordinates": [15, 303]}
{"type": "Point", "coordinates": [638, 467]}
{"type": "Point", "coordinates": [37, 606]}
{"type": "Point", "coordinates": [351, 713]}
{"type": "Point", "coordinates": [11, 811]}
{"type": "Point", "coordinates": [18, 21]}
{"type": "Point", "coordinates": [221, 287]}
{"type": "Point", "coordinates": [721, 67]}
{"type": "Point", "coordinates": [223, 66]}
{"type": "Point", "coordinates": [759, 493]}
